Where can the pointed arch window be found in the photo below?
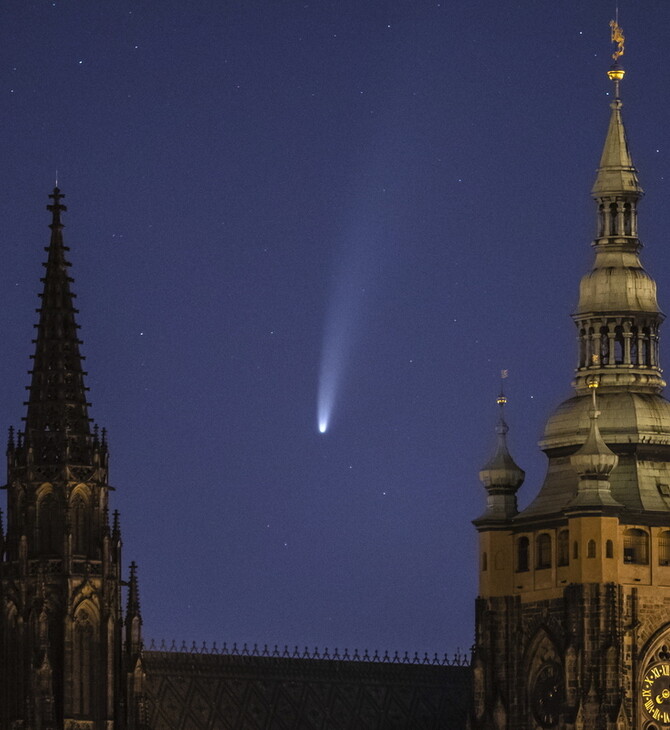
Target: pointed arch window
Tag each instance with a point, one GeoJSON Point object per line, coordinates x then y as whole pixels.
{"type": "Point", "coordinates": [49, 525]}
{"type": "Point", "coordinates": [80, 526]}
{"type": "Point", "coordinates": [85, 664]}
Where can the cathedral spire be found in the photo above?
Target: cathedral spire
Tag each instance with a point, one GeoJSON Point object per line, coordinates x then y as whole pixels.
{"type": "Point", "coordinates": [618, 316]}
{"type": "Point", "coordinates": [57, 425]}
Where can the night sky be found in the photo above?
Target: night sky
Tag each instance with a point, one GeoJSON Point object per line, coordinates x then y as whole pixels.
{"type": "Point", "coordinates": [393, 194]}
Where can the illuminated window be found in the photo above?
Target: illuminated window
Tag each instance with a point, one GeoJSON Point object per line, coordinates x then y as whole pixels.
{"type": "Point", "coordinates": [664, 548]}
{"type": "Point", "coordinates": [636, 547]}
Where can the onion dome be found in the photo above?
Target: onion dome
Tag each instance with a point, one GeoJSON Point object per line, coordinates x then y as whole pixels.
{"type": "Point", "coordinates": [501, 476]}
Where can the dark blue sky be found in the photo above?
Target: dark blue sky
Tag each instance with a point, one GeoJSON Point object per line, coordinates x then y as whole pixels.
{"type": "Point", "coordinates": [229, 168]}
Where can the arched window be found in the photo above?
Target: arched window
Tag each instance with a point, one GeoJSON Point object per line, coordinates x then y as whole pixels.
{"type": "Point", "coordinates": [591, 549]}
{"type": "Point", "coordinates": [609, 549]}
{"type": "Point", "coordinates": [563, 548]}
{"type": "Point", "coordinates": [48, 526]}
{"type": "Point", "coordinates": [664, 548]}
{"type": "Point", "coordinates": [85, 664]}
{"type": "Point", "coordinates": [636, 547]}
{"type": "Point", "coordinates": [522, 550]}
{"type": "Point", "coordinates": [543, 551]}
{"type": "Point", "coordinates": [80, 531]}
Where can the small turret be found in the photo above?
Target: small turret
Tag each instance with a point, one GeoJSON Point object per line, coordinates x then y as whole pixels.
{"type": "Point", "coordinates": [594, 463]}
{"type": "Point", "coordinates": [500, 475]}
{"type": "Point", "coordinates": [133, 615]}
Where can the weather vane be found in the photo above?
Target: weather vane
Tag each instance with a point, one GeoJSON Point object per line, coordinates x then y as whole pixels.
{"type": "Point", "coordinates": [618, 38]}
{"type": "Point", "coordinates": [502, 398]}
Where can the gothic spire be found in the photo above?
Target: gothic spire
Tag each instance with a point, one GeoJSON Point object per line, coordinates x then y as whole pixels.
{"type": "Point", "coordinates": [133, 614]}
{"type": "Point", "coordinates": [133, 606]}
{"type": "Point", "coordinates": [57, 424]}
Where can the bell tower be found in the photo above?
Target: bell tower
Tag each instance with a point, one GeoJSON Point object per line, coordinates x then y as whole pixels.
{"type": "Point", "coordinates": [61, 631]}
{"type": "Point", "coordinates": [573, 613]}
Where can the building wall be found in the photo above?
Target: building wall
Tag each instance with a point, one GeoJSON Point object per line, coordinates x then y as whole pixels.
{"type": "Point", "coordinates": [199, 691]}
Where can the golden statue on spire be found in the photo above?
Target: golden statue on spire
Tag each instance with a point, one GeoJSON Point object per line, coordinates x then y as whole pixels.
{"type": "Point", "coordinates": [618, 38]}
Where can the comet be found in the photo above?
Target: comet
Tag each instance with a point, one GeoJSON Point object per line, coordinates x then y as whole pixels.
{"type": "Point", "coordinates": [349, 305]}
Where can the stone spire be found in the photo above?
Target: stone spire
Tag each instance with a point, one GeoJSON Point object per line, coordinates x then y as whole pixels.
{"type": "Point", "coordinates": [616, 172]}
{"type": "Point", "coordinates": [594, 463]}
{"type": "Point", "coordinates": [618, 316]}
{"type": "Point", "coordinates": [500, 475]}
{"type": "Point", "coordinates": [57, 428]}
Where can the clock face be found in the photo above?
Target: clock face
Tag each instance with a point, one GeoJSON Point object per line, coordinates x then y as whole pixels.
{"type": "Point", "coordinates": [655, 693]}
{"type": "Point", "coordinates": [547, 695]}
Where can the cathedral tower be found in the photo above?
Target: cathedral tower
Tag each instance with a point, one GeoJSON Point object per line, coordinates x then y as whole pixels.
{"type": "Point", "coordinates": [64, 660]}
{"type": "Point", "coordinates": [573, 614]}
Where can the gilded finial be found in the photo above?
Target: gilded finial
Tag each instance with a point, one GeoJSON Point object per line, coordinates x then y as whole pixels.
{"type": "Point", "coordinates": [594, 383]}
{"type": "Point", "coordinates": [618, 38]}
{"type": "Point", "coordinates": [616, 73]}
{"type": "Point", "coordinates": [502, 398]}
